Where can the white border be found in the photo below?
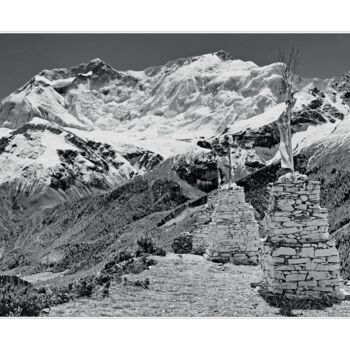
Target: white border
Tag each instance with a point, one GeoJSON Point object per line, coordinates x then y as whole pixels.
{"type": "Point", "coordinates": [175, 16]}
{"type": "Point", "coordinates": [177, 334]}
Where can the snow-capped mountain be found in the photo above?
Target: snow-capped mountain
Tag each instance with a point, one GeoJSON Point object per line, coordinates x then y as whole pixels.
{"type": "Point", "coordinates": [197, 95]}
{"type": "Point", "coordinates": [185, 98]}
{"type": "Point", "coordinates": [69, 136]}
{"type": "Point", "coordinates": [181, 100]}
{"type": "Point", "coordinates": [317, 117]}
{"type": "Point", "coordinates": [43, 165]}
{"type": "Point", "coordinates": [74, 131]}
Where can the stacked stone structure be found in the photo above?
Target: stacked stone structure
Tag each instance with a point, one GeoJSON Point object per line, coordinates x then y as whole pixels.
{"type": "Point", "coordinates": [299, 260]}
{"type": "Point", "coordinates": [233, 233]}
{"type": "Point", "coordinates": [200, 233]}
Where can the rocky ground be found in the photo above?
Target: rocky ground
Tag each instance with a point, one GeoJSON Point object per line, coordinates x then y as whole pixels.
{"type": "Point", "coordinates": [187, 285]}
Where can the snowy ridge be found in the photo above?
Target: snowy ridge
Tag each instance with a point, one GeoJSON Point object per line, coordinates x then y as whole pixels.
{"type": "Point", "coordinates": [42, 164]}
{"type": "Point", "coordinates": [198, 96]}
{"type": "Point", "coordinates": [119, 124]}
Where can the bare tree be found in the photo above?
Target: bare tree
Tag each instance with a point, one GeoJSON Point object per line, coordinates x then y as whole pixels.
{"type": "Point", "coordinates": [287, 70]}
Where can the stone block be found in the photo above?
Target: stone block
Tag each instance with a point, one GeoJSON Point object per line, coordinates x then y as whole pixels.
{"type": "Point", "coordinates": [331, 282]}
{"type": "Point", "coordinates": [333, 259]}
{"type": "Point", "coordinates": [284, 207]}
{"type": "Point", "coordinates": [295, 277]}
{"type": "Point", "coordinates": [307, 252]}
{"type": "Point", "coordinates": [284, 251]}
{"type": "Point", "coordinates": [290, 230]}
{"type": "Point", "coordinates": [320, 275]}
{"type": "Point", "coordinates": [327, 267]}
{"type": "Point", "coordinates": [291, 224]}
{"type": "Point", "coordinates": [307, 283]}
{"type": "Point", "coordinates": [326, 252]}
{"type": "Point", "coordinates": [285, 268]}
{"type": "Point", "coordinates": [299, 261]}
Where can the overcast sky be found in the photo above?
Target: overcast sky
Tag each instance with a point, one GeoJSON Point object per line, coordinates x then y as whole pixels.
{"type": "Point", "coordinates": [24, 55]}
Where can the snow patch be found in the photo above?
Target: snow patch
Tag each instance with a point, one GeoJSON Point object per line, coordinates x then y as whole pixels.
{"type": "Point", "coordinates": [88, 74]}
{"type": "Point", "coordinates": [61, 83]}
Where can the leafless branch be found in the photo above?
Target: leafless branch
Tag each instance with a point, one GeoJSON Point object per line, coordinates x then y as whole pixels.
{"type": "Point", "coordinates": [288, 68]}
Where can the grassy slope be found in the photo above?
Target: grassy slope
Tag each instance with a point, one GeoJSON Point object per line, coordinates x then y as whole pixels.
{"type": "Point", "coordinates": [80, 234]}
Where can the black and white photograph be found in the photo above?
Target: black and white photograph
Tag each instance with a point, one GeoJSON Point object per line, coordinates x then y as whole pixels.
{"type": "Point", "coordinates": [174, 175]}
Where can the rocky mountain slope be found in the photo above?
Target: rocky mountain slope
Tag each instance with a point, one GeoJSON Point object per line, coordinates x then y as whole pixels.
{"type": "Point", "coordinates": [166, 109]}
{"type": "Point", "coordinates": [181, 100]}
{"type": "Point", "coordinates": [315, 119]}
{"type": "Point", "coordinates": [70, 136]}
{"type": "Point", "coordinates": [43, 165]}
{"type": "Point", "coordinates": [79, 234]}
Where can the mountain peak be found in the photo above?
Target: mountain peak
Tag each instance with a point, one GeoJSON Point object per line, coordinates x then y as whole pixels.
{"type": "Point", "coordinates": [100, 68]}
{"type": "Point", "coordinates": [96, 60]}
{"type": "Point", "coordinates": [224, 55]}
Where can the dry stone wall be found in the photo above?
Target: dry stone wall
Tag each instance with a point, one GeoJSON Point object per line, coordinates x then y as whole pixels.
{"type": "Point", "coordinates": [200, 238]}
{"type": "Point", "coordinates": [233, 233]}
{"type": "Point", "coordinates": [299, 260]}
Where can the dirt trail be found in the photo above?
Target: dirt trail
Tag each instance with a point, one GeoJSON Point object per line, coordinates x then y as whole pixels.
{"type": "Point", "coordinates": [188, 285]}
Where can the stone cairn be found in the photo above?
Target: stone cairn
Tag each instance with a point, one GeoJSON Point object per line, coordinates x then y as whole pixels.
{"type": "Point", "coordinates": [233, 233]}
{"type": "Point", "coordinates": [298, 258]}
{"type": "Point", "coordinates": [200, 233]}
